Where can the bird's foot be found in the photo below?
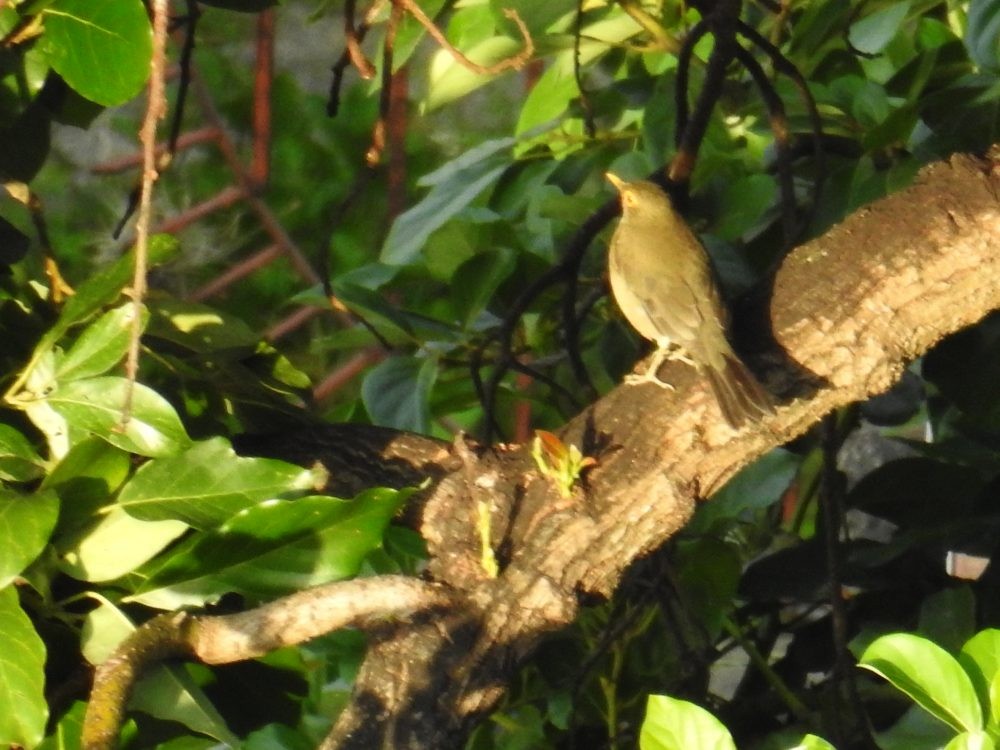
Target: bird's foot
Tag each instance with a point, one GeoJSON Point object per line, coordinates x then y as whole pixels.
{"type": "Point", "coordinates": [647, 378]}
{"type": "Point", "coordinates": [676, 354]}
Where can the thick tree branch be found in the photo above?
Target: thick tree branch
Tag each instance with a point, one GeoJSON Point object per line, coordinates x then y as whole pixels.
{"type": "Point", "coordinates": [850, 309]}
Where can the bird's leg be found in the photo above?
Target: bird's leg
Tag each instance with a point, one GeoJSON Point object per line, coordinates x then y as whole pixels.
{"type": "Point", "coordinates": [662, 352]}
{"type": "Point", "coordinates": [676, 354]}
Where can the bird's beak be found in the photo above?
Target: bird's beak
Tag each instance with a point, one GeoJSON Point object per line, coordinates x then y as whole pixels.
{"type": "Point", "coordinates": [615, 180]}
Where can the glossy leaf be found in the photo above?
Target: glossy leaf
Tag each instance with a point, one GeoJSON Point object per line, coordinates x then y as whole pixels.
{"type": "Point", "coordinates": [101, 346]}
{"type": "Point", "coordinates": [22, 661]}
{"type": "Point", "coordinates": [978, 740]}
{"type": "Point", "coordinates": [101, 48]}
{"type": "Point", "coordinates": [209, 483]}
{"type": "Point", "coordinates": [980, 658]}
{"type": "Point", "coordinates": [26, 522]}
{"type": "Point", "coordinates": [95, 406]}
{"type": "Point", "coordinates": [811, 742]}
{"type": "Point", "coordinates": [273, 549]}
{"type": "Point", "coordinates": [673, 724]}
{"type": "Point", "coordinates": [929, 675]}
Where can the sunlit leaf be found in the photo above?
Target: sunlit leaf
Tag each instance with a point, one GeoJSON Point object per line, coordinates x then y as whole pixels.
{"type": "Point", "coordinates": [22, 659]}
{"type": "Point", "coordinates": [209, 483]}
{"type": "Point", "coordinates": [273, 549]}
{"type": "Point", "coordinates": [95, 405]}
{"type": "Point", "coordinates": [101, 346]}
{"type": "Point", "coordinates": [929, 675]}
{"type": "Point", "coordinates": [101, 48]}
{"type": "Point", "coordinates": [673, 724]}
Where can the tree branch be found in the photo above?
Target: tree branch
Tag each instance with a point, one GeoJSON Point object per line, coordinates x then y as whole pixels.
{"type": "Point", "coordinates": [850, 309]}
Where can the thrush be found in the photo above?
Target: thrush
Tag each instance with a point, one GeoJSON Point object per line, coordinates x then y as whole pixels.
{"type": "Point", "coordinates": [663, 283]}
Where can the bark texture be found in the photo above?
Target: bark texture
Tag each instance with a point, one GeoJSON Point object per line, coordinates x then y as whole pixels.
{"type": "Point", "coordinates": [849, 311]}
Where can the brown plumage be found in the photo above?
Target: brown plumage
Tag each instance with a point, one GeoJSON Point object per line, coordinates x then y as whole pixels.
{"type": "Point", "coordinates": [663, 283]}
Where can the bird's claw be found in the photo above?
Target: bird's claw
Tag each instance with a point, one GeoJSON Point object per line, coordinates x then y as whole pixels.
{"type": "Point", "coordinates": [648, 378]}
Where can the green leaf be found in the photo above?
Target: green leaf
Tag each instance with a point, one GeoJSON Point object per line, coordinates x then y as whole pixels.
{"type": "Point", "coordinates": [557, 86]}
{"type": "Point", "coordinates": [68, 731]}
{"type": "Point", "coordinates": [117, 544]}
{"type": "Point", "coordinates": [26, 522]}
{"type": "Point", "coordinates": [101, 346]}
{"type": "Point", "coordinates": [811, 742]}
{"type": "Point", "coordinates": [980, 658]}
{"type": "Point", "coordinates": [273, 549]}
{"type": "Point", "coordinates": [982, 33]}
{"type": "Point", "coordinates": [169, 693]}
{"type": "Point", "coordinates": [95, 405]}
{"type": "Point", "coordinates": [759, 485]}
{"type": "Point", "coordinates": [100, 290]}
{"type": "Point", "coordinates": [978, 740]}
{"type": "Point", "coordinates": [85, 480]}
{"type": "Point", "coordinates": [742, 205]}
{"type": "Point", "coordinates": [916, 730]}
{"type": "Point", "coordinates": [101, 48]}
{"type": "Point", "coordinates": [450, 80]}
{"type": "Point", "coordinates": [475, 282]}
{"type": "Point", "coordinates": [200, 328]}
{"type": "Point", "coordinates": [19, 462]}
{"type": "Point", "coordinates": [22, 676]}
{"type": "Point", "coordinates": [673, 724]}
{"type": "Point", "coordinates": [929, 675]}
{"type": "Point", "coordinates": [872, 33]}
{"type": "Point", "coordinates": [453, 187]}
{"type": "Point", "coordinates": [209, 483]}
{"type": "Point", "coordinates": [396, 393]}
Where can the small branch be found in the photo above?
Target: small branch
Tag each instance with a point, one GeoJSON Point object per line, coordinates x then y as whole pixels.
{"type": "Point", "coordinates": [374, 154]}
{"type": "Point", "coordinates": [354, 37]}
{"type": "Point", "coordinates": [361, 603]}
{"type": "Point", "coordinates": [155, 110]}
{"type": "Point", "coordinates": [516, 62]}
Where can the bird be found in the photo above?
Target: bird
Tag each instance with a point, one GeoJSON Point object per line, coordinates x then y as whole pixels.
{"type": "Point", "coordinates": [663, 283]}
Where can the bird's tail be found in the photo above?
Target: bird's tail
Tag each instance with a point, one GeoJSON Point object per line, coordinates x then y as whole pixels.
{"type": "Point", "coordinates": [741, 397]}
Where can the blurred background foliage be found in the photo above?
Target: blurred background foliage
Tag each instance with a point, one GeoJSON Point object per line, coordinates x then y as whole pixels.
{"type": "Point", "coordinates": [475, 196]}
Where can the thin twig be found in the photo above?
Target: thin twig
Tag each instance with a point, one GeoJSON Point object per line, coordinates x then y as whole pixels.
{"type": "Point", "coordinates": [155, 110]}
{"type": "Point", "coordinates": [516, 62]}
{"type": "Point", "coordinates": [354, 37]}
{"type": "Point", "coordinates": [374, 154]}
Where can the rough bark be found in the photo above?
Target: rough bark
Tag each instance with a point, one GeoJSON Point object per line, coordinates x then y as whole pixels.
{"type": "Point", "coordinates": [852, 308]}
{"type": "Point", "coordinates": [849, 311]}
